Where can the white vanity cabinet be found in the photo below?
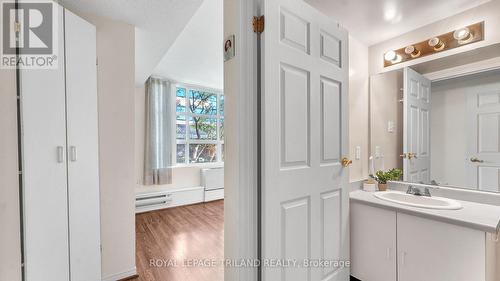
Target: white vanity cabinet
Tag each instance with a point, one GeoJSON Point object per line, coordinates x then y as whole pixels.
{"type": "Point", "coordinates": [426, 250]}
{"type": "Point", "coordinates": [373, 243]}
{"type": "Point", "coordinates": [435, 251]}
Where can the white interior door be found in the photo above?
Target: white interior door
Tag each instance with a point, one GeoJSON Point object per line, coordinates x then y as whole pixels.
{"type": "Point", "coordinates": [44, 175]}
{"type": "Point", "coordinates": [83, 158]}
{"type": "Point", "coordinates": [483, 156]}
{"type": "Point", "coordinates": [416, 136]}
{"type": "Point", "coordinates": [305, 136]}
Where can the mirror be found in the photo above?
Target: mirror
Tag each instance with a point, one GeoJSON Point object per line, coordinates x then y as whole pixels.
{"type": "Point", "coordinates": [443, 132]}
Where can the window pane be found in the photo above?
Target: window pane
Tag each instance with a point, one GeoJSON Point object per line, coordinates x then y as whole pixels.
{"type": "Point", "coordinates": [221, 129]}
{"type": "Point", "coordinates": [180, 100]}
{"type": "Point", "coordinates": [202, 153]}
{"type": "Point", "coordinates": [202, 102]}
{"type": "Point", "coordinates": [221, 105]}
{"type": "Point", "coordinates": [180, 127]}
{"type": "Point", "coordinates": [203, 128]}
{"type": "Point", "coordinates": [181, 154]}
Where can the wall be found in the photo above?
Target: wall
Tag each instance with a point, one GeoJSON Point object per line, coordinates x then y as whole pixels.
{"type": "Point", "coordinates": [385, 94]}
{"type": "Point", "coordinates": [449, 136]}
{"type": "Point", "coordinates": [196, 56]}
{"type": "Point", "coordinates": [487, 12]}
{"type": "Point", "coordinates": [116, 70]}
{"type": "Point", "coordinates": [358, 108]}
{"type": "Point", "coordinates": [10, 244]}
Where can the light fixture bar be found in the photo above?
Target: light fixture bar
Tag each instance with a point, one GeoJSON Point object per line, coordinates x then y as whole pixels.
{"type": "Point", "coordinates": [444, 42]}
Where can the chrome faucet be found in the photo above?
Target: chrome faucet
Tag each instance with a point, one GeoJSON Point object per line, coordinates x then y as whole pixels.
{"type": "Point", "coordinates": [417, 192]}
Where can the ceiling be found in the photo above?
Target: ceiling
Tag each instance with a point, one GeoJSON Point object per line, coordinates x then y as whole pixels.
{"type": "Point", "coordinates": [196, 57]}
{"type": "Point", "coordinates": [374, 21]}
{"type": "Point", "coordinates": [157, 22]}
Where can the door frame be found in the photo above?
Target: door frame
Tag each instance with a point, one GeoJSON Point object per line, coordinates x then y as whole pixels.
{"type": "Point", "coordinates": [241, 207]}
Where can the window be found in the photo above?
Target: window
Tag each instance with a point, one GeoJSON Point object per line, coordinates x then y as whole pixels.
{"type": "Point", "coordinates": [199, 126]}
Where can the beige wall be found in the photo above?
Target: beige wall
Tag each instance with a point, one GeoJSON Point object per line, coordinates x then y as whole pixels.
{"type": "Point", "coordinates": [488, 12]}
{"type": "Point", "coordinates": [385, 94]}
{"type": "Point", "coordinates": [115, 52]}
{"type": "Point", "coordinates": [358, 108]}
{"type": "Point", "coordinates": [10, 244]}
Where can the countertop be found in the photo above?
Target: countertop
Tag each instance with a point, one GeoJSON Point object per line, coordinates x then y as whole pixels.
{"type": "Point", "coordinates": [473, 215]}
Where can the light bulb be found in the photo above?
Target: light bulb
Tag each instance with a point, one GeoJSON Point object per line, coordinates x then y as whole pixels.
{"type": "Point", "coordinates": [463, 35]}
{"type": "Point", "coordinates": [436, 43]}
{"type": "Point", "coordinates": [390, 56]}
{"type": "Point", "coordinates": [412, 51]}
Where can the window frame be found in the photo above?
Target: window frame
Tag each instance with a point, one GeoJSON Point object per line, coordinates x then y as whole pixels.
{"type": "Point", "coordinates": [219, 142]}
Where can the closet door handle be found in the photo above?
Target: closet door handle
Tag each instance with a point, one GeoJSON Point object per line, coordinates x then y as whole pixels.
{"type": "Point", "coordinates": [403, 258]}
{"type": "Point", "coordinates": [73, 153]}
{"type": "Point", "coordinates": [60, 154]}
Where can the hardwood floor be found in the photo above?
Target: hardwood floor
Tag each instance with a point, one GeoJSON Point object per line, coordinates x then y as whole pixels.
{"type": "Point", "coordinates": [167, 240]}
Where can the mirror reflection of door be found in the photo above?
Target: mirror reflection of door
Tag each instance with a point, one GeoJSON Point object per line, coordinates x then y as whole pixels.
{"type": "Point", "coordinates": [483, 131]}
{"type": "Point", "coordinates": [447, 134]}
{"type": "Point", "coordinates": [416, 133]}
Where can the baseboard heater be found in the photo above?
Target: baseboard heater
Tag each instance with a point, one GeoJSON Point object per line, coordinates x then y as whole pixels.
{"type": "Point", "coordinates": [156, 200]}
{"type": "Point", "coordinates": [213, 182]}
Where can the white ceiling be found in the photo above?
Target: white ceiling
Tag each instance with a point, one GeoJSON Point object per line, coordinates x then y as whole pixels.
{"type": "Point", "coordinates": [157, 22]}
{"type": "Point", "coordinates": [196, 57]}
{"type": "Point", "coordinates": [374, 21]}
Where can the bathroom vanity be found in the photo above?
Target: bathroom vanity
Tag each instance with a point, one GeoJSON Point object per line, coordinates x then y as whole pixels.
{"type": "Point", "coordinates": [395, 242]}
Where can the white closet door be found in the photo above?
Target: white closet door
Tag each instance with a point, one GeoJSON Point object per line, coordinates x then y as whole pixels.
{"type": "Point", "coordinates": [83, 161]}
{"type": "Point", "coordinates": [44, 175]}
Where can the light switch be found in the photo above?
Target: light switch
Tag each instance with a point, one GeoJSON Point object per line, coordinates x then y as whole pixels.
{"type": "Point", "coordinates": [390, 127]}
{"type": "Point", "coordinates": [358, 152]}
{"type": "Point", "coordinates": [377, 151]}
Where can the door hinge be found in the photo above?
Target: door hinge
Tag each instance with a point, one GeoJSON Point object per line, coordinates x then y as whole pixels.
{"type": "Point", "coordinates": [17, 27]}
{"type": "Point", "coordinates": [258, 24]}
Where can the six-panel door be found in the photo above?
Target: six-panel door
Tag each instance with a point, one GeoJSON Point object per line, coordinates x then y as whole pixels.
{"type": "Point", "coordinates": [305, 137]}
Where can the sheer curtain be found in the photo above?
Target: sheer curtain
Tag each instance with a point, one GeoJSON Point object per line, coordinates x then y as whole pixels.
{"type": "Point", "coordinates": [159, 131]}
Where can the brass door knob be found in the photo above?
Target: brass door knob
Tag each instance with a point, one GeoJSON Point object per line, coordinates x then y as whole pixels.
{"type": "Point", "coordinates": [403, 155]}
{"type": "Point", "coordinates": [476, 160]}
{"type": "Point", "coordinates": [346, 162]}
{"type": "Point", "coordinates": [412, 155]}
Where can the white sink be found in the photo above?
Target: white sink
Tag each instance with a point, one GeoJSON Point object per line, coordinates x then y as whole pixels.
{"type": "Point", "coordinates": [419, 201]}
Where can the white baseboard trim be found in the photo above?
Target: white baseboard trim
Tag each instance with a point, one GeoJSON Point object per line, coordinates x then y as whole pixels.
{"type": "Point", "coordinates": [121, 275]}
{"type": "Point", "coordinates": [214, 194]}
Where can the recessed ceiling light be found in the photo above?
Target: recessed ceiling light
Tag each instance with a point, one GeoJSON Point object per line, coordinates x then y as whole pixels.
{"type": "Point", "coordinates": [463, 35]}
{"type": "Point", "coordinates": [437, 44]}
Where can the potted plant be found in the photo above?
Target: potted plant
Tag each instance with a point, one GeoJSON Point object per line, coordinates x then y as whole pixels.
{"type": "Point", "coordinates": [383, 177]}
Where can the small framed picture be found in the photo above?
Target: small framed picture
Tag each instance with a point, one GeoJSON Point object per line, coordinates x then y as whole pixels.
{"type": "Point", "coordinates": [229, 50]}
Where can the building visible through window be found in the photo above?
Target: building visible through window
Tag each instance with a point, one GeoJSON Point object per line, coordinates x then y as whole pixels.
{"type": "Point", "coordinates": [199, 126]}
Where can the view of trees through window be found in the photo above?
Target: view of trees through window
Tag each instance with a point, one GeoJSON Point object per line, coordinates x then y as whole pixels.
{"type": "Point", "coordinates": [199, 126]}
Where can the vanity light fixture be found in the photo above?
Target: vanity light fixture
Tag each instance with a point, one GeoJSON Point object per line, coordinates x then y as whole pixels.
{"type": "Point", "coordinates": [412, 51]}
{"type": "Point", "coordinates": [463, 35]}
{"type": "Point", "coordinates": [437, 44]}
